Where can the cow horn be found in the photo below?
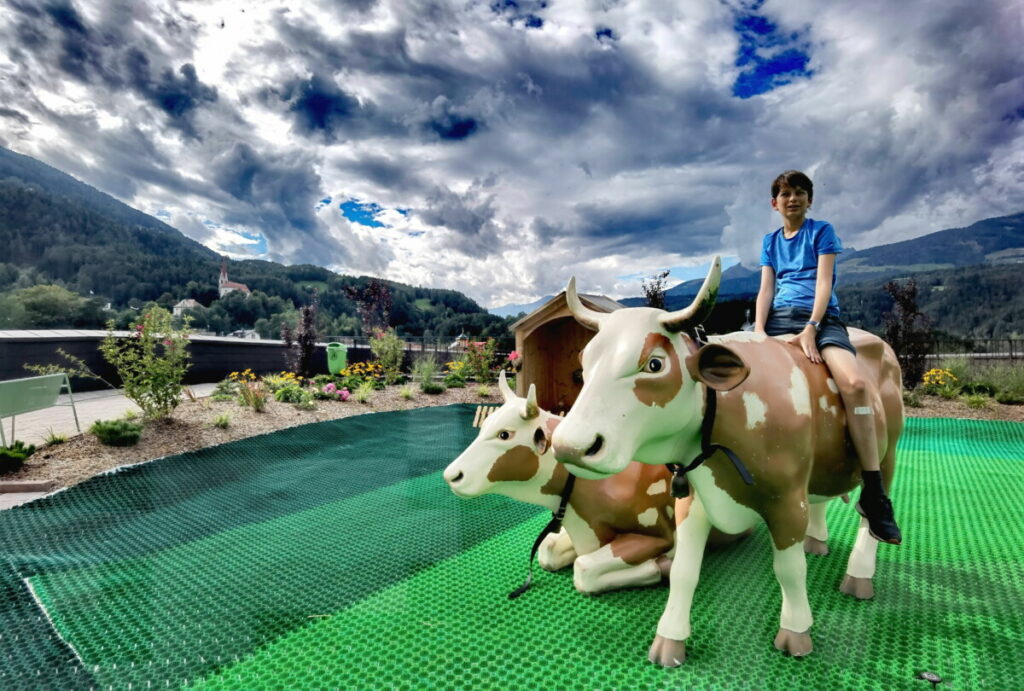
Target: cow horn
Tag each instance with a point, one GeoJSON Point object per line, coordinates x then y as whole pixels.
{"type": "Point", "coordinates": [701, 306]}
{"type": "Point", "coordinates": [530, 410]}
{"type": "Point", "coordinates": [584, 315]}
{"type": "Point", "coordinates": [506, 391]}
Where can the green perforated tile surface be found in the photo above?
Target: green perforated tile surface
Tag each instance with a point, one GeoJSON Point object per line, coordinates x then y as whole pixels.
{"type": "Point", "coordinates": [333, 555]}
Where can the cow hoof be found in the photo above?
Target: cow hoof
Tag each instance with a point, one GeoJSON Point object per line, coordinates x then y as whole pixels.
{"type": "Point", "coordinates": [813, 545]}
{"type": "Point", "coordinates": [796, 644]}
{"type": "Point", "coordinates": [667, 652]}
{"type": "Point", "coordinates": [860, 588]}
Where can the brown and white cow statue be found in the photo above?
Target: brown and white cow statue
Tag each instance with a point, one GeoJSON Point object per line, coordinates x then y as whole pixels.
{"type": "Point", "coordinates": [643, 398]}
{"type": "Point", "coordinates": [618, 532]}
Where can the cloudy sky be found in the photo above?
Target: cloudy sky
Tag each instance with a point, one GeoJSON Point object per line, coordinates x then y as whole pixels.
{"type": "Point", "coordinates": [498, 146]}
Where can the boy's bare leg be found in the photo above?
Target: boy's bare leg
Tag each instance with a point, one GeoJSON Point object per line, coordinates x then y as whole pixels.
{"type": "Point", "coordinates": [858, 396]}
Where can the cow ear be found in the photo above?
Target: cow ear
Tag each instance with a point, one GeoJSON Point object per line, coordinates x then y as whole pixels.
{"type": "Point", "coordinates": [718, 366]}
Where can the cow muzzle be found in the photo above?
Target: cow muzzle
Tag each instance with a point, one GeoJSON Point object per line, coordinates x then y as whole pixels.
{"type": "Point", "coordinates": [584, 457]}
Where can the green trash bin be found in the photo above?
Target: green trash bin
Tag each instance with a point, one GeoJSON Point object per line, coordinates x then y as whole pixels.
{"type": "Point", "coordinates": [337, 357]}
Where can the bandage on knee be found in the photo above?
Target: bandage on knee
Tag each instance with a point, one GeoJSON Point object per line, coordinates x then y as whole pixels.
{"type": "Point", "coordinates": [863, 410]}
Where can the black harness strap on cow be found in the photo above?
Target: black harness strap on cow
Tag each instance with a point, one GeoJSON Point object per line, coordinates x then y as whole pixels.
{"type": "Point", "coordinates": [553, 526]}
{"type": "Point", "coordinates": [680, 485]}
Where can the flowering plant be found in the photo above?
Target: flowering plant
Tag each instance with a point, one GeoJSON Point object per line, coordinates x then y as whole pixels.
{"type": "Point", "coordinates": [152, 363]}
{"type": "Point", "coordinates": [941, 382]}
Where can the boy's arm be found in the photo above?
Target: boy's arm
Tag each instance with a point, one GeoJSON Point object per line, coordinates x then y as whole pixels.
{"type": "Point", "coordinates": [765, 295]}
{"type": "Point", "coordinates": [822, 294]}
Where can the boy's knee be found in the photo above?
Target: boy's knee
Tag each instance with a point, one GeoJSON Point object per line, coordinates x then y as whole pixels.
{"type": "Point", "coordinates": [853, 385]}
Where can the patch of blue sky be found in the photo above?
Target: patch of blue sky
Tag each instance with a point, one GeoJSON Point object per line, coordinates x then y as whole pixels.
{"type": "Point", "coordinates": [404, 212]}
{"type": "Point", "coordinates": [362, 213]}
{"type": "Point", "coordinates": [415, 233]}
{"type": "Point", "coordinates": [326, 201]}
{"type": "Point", "coordinates": [259, 243]}
{"type": "Point", "coordinates": [679, 274]}
{"type": "Point", "coordinates": [163, 214]}
{"type": "Point", "coordinates": [768, 57]}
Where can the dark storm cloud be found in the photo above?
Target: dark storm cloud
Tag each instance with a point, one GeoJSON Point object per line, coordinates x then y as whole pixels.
{"type": "Point", "coordinates": [318, 107]}
{"type": "Point", "coordinates": [470, 215]}
{"type": "Point", "coordinates": [388, 173]}
{"type": "Point", "coordinates": [112, 55]}
{"type": "Point", "coordinates": [661, 225]}
{"type": "Point", "coordinates": [14, 115]}
{"type": "Point", "coordinates": [279, 194]}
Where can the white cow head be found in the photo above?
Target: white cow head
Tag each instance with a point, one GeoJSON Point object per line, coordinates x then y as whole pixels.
{"type": "Point", "coordinates": [641, 398]}
{"type": "Point", "coordinates": [511, 455]}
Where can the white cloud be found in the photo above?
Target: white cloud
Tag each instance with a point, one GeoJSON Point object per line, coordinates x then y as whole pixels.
{"type": "Point", "coordinates": [523, 155]}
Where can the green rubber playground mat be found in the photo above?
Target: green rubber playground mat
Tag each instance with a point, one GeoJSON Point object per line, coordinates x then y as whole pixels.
{"type": "Point", "coordinates": [216, 569]}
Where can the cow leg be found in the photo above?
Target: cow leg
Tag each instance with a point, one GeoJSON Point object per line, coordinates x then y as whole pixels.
{"type": "Point", "coordinates": [790, 566]}
{"type": "Point", "coordinates": [816, 541]}
{"type": "Point", "coordinates": [669, 646]}
{"type": "Point", "coordinates": [556, 551]}
{"type": "Point", "coordinates": [628, 560]}
{"type": "Point", "coordinates": [860, 569]}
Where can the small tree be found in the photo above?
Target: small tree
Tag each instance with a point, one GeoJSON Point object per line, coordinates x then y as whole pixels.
{"type": "Point", "coordinates": [907, 330]}
{"type": "Point", "coordinates": [373, 302]}
{"type": "Point", "coordinates": [480, 359]}
{"type": "Point", "coordinates": [303, 350]}
{"type": "Point", "coordinates": [151, 363]}
{"type": "Point", "coordinates": [389, 350]}
{"type": "Point", "coordinates": [654, 290]}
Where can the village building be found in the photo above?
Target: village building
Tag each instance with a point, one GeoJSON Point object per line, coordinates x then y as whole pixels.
{"type": "Point", "coordinates": [187, 304]}
{"type": "Point", "coordinates": [224, 286]}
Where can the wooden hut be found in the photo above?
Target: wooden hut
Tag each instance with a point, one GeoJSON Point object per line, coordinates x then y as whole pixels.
{"type": "Point", "coordinates": [550, 341]}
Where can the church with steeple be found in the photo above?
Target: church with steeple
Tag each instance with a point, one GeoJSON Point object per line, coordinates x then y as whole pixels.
{"type": "Point", "coordinates": [224, 286]}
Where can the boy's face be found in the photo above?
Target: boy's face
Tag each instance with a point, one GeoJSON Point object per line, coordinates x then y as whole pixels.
{"type": "Point", "coordinates": [792, 202]}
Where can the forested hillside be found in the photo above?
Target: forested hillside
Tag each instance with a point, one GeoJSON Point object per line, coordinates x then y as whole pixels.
{"type": "Point", "coordinates": [68, 250]}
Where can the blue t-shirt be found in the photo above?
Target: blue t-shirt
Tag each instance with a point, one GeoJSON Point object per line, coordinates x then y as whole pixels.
{"type": "Point", "coordinates": [795, 261]}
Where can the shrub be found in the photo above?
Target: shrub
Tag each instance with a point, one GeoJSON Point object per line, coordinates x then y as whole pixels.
{"type": "Point", "coordinates": [912, 398]}
{"type": "Point", "coordinates": [357, 373]}
{"type": "Point", "coordinates": [302, 353]}
{"type": "Point", "coordinates": [976, 400]}
{"type": "Point", "coordinates": [226, 389]}
{"type": "Point", "coordinates": [941, 382]}
{"type": "Point", "coordinates": [454, 381]}
{"type": "Point", "coordinates": [364, 392]}
{"type": "Point", "coordinates": [152, 363]}
{"type": "Point", "coordinates": [480, 360]}
{"type": "Point", "coordinates": [907, 330]}
{"type": "Point", "coordinates": [406, 392]}
{"type": "Point", "coordinates": [253, 394]}
{"type": "Point", "coordinates": [327, 392]}
{"type": "Point", "coordinates": [1010, 398]}
{"type": "Point", "coordinates": [53, 438]}
{"type": "Point", "coordinates": [13, 457]}
{"type": "Point", "coordinates": [424, 369]}
{"type": "Point", "coordinates": [291, 394]}
{"type": "Point", "coordinates": [432, 388]}
{"type": "Point", "coordinates": [983, 388]}
{"type": "Point", "coordinates": [483, 391]}
{"type": "Point", "coordinates": [130, 415]}
{"type": "Point", "coordinates": [307, 402]}
{"type": "Point", "coordinates": [222, 421]}
{"type": "Point", "coordinates": [281, 380]}
{"type": "Point", "coordinates": [389, 350]}
{"type": "Point", "coordinates": [117, 432]}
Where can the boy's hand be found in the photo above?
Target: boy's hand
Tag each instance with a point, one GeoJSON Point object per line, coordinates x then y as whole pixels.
{"type": "Point", "coordinates": [806, 340]}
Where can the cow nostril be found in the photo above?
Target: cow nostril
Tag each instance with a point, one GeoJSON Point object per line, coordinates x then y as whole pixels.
{"type": "Point", "coordinates": [457, 478]}
{"type": "Point", "coordinates": [595, 447]}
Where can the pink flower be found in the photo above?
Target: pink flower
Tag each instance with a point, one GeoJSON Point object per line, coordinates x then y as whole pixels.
{"type": "Point", "coordinates": [330, 388]}
{"type": "Point", "coordinates": [167, 341]}
{"type": "Point", "coordinates": [344, 394]}
{"type": "Point", "coordinates": [513, 355]}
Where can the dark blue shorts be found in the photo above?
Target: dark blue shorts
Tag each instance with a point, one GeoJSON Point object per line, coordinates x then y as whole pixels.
{"type": "Point", "coordinates": [792, 320]}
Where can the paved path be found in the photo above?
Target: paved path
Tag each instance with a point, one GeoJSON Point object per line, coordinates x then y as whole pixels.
{"type": "Point", "coordinates": [33, 428]}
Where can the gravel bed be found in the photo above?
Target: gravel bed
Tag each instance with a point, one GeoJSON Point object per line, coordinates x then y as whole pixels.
{"type": "Point", "coordinates": [191, 427]}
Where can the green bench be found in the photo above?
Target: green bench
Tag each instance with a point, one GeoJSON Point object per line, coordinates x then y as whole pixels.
{"type": "Point", "coordinates": [18, 396]}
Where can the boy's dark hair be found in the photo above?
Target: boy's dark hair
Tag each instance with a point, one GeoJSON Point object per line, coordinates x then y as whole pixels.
{"type": "Point", "coordinates": [793, 178]}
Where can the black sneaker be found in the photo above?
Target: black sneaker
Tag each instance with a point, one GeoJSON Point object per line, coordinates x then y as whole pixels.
{"type": "Point", "coordinates": [881, 522]}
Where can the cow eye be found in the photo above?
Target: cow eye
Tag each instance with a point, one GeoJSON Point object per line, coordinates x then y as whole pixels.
{"type": "Point", "coordinates": [655, 364]}
{"type": "Point", "coordinates": [504, 435]}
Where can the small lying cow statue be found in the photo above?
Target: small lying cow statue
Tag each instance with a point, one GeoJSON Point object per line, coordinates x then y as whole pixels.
{"type": "Point", "coordinates": [618, 532]}
{"type": "Point", "coordinates": [647, 388]}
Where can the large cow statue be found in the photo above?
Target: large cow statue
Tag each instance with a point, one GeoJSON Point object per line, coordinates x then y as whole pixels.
{"type": "Point", "coordinates": [644, 398]}
{"type": "Point", "coordinates": [618, 531]}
